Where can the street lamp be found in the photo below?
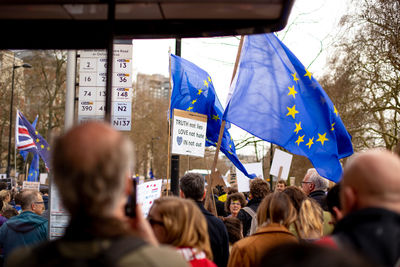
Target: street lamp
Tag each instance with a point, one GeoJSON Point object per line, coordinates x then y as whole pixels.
{"type": "Point", "coordinates": [27, 66]}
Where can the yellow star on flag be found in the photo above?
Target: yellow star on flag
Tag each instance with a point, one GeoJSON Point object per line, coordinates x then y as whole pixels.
{"type": "Point", "coordinates": [199, 92]}
{"type": "Point", "coordinates": [308, 74]}
{"type": "Point", "coordinates": [37, 140]}
{"type": "Point", "coordinates": [335, 110]}
{"type": "Point", "coordinates": [194, 101]}
{"type": "Point", "coordinates": [292, 91]}
{"type": "Point", "coordinates": [215, 117]}
{"type": "Point", "coordinates": [41, 146]}
{"type": "Point", "coordinates": [332, 129]}
{"type": "Point", "coordinates": [206, 83]}
{"type": "Point", "coordinates": [310, 142]}
{"type": "Point", "coordinates": [295, 77]}
{"type": "Point", "coordinates": [36, 132]}
{"type": "Point", "coordinates": [322, 138]}
{"type": "Point", "coordinates": [298, 127]}
{"type": "Point", "coordinates": [189, 108]}
{"type": "Point", "coordinates": [292, 111]}
{"type": "Point", "coordinates": [209, 78]}
{"type": "Point", "coordinates": [299, 140]}
{"type": "Point", "coordinates": [48, 148]}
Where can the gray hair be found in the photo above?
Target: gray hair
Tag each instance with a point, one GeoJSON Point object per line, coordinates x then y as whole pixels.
{"type": "Point", "coordinates": [319, 181]}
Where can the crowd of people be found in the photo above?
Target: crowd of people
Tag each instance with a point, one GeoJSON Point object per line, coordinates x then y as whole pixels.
{"type": "Point", "coordinates": [354, 223]}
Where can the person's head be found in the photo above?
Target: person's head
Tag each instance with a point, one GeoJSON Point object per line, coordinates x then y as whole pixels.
{"type": "Point", "coordinates": [313, 181]}
{"type": "Point", "coordinates": [179, 222]}
{"type": "Point", "coordinates": [311, 255]}
{"type": "Point", "coordinates": [192, 186]}
{"type": "Point", "coordinates": [92, 164]}
{"type": "Point", "coordinates": [259, 188]}
{"type": "Point", "coordinates": [234, 202]}
{"type": "Point", "coordinates": [371, 179]}
{"type": "Point", "coordinates": [32, 201]}
{"type": "Point", "coordinates": [10, 212]}
{"type": "Point", "coordinates": [5, 196]}
{"type": "Point", "coordinates": [280, 185]}
{"type": "Point", "coordinates": [44, 191]}
{"type": "Point", "coordinates": [3, 185]}
{"type": "Point", "coordinates": [311, 220]}
{"type": "Point", "coordinates": [276, 208]}
{"type": "Point", "coordinates": [333, 202]}
{"type": "Point", "coordinates": [296, 195]}
{"type": "Point", "coordinates": [235, 229]}
{"type": "Point", "coordinates": [232, 189]}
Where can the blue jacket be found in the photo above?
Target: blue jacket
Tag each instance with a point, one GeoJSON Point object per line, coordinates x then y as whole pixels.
{"type": "Point", "coordinates": [22, 230]}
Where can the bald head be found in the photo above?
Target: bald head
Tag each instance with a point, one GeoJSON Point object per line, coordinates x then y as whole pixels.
{"type": "Point", "coordinates": [91, 162]}
{"type": "Point", "coordinates": [371, 179]}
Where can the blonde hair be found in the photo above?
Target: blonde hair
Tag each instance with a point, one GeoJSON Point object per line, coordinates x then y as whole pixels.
{"type": "Point", "coordinates": [310, 219]}
{"type": "Point", "coordinates": [184, 223]}
{"type": "Point", "coordinates": [276, 208]}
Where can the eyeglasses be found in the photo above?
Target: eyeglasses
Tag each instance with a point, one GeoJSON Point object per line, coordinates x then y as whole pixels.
{"type": "Point", "coordinates": [236, 203]}
{"type": "Point", "coordinates": [153, 222]}
{"type": "Point", "coordinates": [39, 202]}
{"type": "Point", "coordinates": [306, 182]}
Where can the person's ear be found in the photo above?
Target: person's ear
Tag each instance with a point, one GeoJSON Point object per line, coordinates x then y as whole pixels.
{"type": "Point", "coordinates": [204, 195]}
{"type": "Point", "coordinates": [338, 214]}
{"type": "Point", "coordinates": [181, 194]}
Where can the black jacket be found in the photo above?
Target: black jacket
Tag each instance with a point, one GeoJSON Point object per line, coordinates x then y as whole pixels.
{"type": "Point", "coordinates": [218, 237]}
{"type": "Point", "coordinates": [246, 218]}
{"type": "Point", "coordinates": [373, 232]}
{"type": "Point", "coordinates": [320, 197]}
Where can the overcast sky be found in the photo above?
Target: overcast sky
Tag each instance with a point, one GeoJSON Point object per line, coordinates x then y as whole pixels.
{"type": "Point", "coordinates": [311, 29]}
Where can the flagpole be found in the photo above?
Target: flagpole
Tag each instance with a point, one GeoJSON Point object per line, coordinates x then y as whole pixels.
{"type": "Point", "coordinates": [169, 124]}
{"type": "Point", "coordinates": [221, 130]}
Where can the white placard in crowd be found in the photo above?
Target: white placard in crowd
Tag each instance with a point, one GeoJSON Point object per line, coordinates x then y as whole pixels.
{"type": "Point", "coordinates": [189, 133]}
{"type": "Point", "coordinates": [31, 185]}
{"type": "Point", "coordinates": [147, 193]}
{"type": "Point", "coordinates": [43, 178]}
{"type": "Point", "coordinates": [281, 159]}
{"type": "Point", "coordinates": [242, 180]}
{"type": "Point", "coordinates": [59, 217]}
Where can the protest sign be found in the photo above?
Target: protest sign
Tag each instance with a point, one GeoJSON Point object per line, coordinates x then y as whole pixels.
{"type": "Point", "coordinates": [189, 133]}
{"type": "Point", "coordinates": [31, 185]}
{"type": "Point", "coordinates": [147, 193]}
{"type": "Point", "coordinates": [281, 163]}
{"type": "Point", "coordinates": [243, 181]}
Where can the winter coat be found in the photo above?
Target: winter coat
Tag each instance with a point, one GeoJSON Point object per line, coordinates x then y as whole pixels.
{"type": "Point", "coordinates": [250, 250]}
{"type": "Point", "coordinates": [24, 229]}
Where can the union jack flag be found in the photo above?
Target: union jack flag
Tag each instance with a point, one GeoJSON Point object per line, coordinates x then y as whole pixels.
{"type": "Point", "coordinates": [28, 139]}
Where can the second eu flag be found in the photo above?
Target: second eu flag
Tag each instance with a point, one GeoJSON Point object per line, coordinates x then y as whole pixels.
{"type": "Point", "coordinates": [275, 98]}
{"type": "Point", "coordinates": [194, 91]}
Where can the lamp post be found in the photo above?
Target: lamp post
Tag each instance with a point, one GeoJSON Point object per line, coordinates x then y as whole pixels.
{"type": "Point", "coordinates": [25, 65]}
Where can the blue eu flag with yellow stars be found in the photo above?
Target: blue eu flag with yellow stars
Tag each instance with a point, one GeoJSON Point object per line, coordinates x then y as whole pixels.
{"type": "Point", "coordinates": [275, 98]}
{"type": "Point", "coordinates": [33, 174]}
{"type": "Point", "coordinates": [194, 91]}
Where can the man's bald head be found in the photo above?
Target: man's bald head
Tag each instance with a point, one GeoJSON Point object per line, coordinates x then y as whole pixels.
{"type": "Point", "coordinates": [371, 179]}
{"type": "Point", "coordinates": [90, 164]}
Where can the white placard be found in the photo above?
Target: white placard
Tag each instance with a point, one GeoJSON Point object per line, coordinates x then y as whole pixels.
{"type": "Point", "coordinates": [242, 180]}
{"type": "Point", "coordinates": [87, 108]}
{"type": "Point", "coordinates": [87, 93]}
{"type": "Point", "coordinates": [122, 94]}
{"type": "Point", "coordinates": [31, 185]}
{"type": "Point", "coordinates": [88, 65]}
{"type": "Point", "coordinates": [189, 133]}
{"type": "Point", "coordinates": [123, 109]}
{"type": "Point", "coordinates": [283, 159]}
{"type": "Point", "coordinates": [59, 217]}
{"type": "Point", "coordinates": [147, 193]}
{"type": "Point", "coordinates": [121, 123]}
{"type": "Point", "coordinates": [43, 178]}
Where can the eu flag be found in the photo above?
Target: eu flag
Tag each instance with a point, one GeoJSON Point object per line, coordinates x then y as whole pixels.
{"type": "Point", "coordinates": [33, 174]}
{"type": "Point", "coordinates": [275, 98]}
{"type": "Point", "coordinates": [194, 91]}
{"type": "Point", "coordinates": [29, 139]}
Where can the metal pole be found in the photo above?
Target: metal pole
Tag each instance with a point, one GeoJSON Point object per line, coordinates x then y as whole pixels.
{"type": "Point", "coordinates": [70, 93]}
{"type": "Point", "coordinates": [175, 158]}
{"type": "Point", "coordinates": [11, 117]}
